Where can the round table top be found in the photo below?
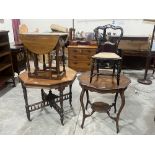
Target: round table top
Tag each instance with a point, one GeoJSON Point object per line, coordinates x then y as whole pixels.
{"type": "Point", "coordinates": [104, 83]}
{"type": "Point", "coordinates": [47, 83]}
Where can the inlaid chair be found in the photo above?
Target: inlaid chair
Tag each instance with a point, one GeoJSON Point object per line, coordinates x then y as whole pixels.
{"type": "Point", "coordinates": [107, 56]}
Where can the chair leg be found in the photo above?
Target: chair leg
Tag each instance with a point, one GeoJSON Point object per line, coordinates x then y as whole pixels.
{"type": "Point", "coordinates": [118, 71]}
{"type": "Point", "coordinates": [114, 67]}
{"type": "Point", "coordinates": [92, 70]}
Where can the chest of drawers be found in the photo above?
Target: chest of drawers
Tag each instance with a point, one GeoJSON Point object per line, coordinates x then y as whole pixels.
{"type": "Point", "coordinates": [79, 57]}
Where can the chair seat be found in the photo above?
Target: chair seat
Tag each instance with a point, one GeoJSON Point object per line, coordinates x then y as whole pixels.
{"type": "Point", "coordinates": [107, 56]}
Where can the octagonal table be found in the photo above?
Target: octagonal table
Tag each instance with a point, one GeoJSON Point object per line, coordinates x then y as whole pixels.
{"type": "Point", "coordinates": [49, 99]}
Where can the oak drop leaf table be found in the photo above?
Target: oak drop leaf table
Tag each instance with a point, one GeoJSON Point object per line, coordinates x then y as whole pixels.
{"type": "Point", "coordinates": [48, 99]}
{"type": "Point", "coordinates": [102, 84]}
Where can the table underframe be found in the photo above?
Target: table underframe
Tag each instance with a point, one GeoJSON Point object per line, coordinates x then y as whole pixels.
{"type": "Point", "coordinates": [106, 109]}
{"type": "Point", "coordinates": [49, 99]}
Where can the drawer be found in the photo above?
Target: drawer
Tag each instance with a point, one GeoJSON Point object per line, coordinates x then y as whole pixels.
{"type": "Point", "coordinates": [74, 51]}
{"type": "Point", "coordinates": [88, 52]}
{"type": "Point", "coordinates": [79, 57]}
{"type": "Point", "coordinates": [80, 66]}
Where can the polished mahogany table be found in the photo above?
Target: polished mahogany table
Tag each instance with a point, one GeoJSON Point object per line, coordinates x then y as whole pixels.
{"type": "Point", "coordinates": [102, 84]}
{"type": "Point", "coordinates": [48, 99]}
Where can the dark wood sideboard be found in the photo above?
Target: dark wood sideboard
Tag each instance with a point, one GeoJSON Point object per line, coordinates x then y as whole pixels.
{"type": "Point", "coordinates": [135, 50]}
{"type": "Point", "coordinates": [6, 67]}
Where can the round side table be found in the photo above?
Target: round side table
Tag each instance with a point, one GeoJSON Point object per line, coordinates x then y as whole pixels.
{"type": "Point", "coordinates": [102, 84]}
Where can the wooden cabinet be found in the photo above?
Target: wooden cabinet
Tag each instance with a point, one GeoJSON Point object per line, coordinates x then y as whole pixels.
{"type": "Point", "coordinates": [135, 50]}
{"type": "Point", "coordinates": [134, 45]}
{"type": "Point", "coordinates": [18, 58]}
{"type": "Point", "coordinates": [6, 68]}
{"type": "Point", "coordinates": [79, 57]}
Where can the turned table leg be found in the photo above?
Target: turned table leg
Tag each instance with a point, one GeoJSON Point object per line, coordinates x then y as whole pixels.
{"type": "Point", "coordinates": [61, 105]}
{"type": "Point", "coordinates": [120, 109]}
{"type": "Point", "coordinates": [26, 101]}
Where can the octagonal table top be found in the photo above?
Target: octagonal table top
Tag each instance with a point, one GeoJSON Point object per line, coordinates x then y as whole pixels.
{"type": "Point", "coordinates": [47, 83]}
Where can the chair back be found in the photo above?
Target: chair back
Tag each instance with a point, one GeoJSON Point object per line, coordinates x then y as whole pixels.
{"type": "Point", "coordinates": [108, 38]}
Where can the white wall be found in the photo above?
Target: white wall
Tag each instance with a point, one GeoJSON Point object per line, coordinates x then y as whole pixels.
{"type": "Point", "coordinates": [7, 25]}
{"type": "Point", "coordinates": [130, 26]}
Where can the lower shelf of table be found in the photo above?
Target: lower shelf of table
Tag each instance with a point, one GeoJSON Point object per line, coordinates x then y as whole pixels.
{"type": "Point", "coordinates": [100, 107]}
